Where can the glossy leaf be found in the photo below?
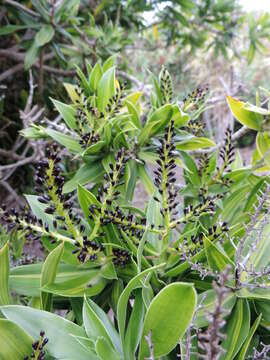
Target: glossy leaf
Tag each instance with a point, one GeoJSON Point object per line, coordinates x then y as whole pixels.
{"type": "Point", "coordinates": [95, 76]}
{"type": "Point", "coordinates": [217, 259]}
{"type": "Point", "coordinates": [123, 300]}
{"type": "Point", "coordinates": [245, 117]}
{"type": "Point", "coordinates": [86, 198]}
{"type": "Point", "coordinates": [60, 332]}
{"type": "Point", "coordinates": [67, 112]}
{"type": "Point", "coordinates": [237, 329]}
{"type": "Point", "coordinates": [44, 35]}
{"type": "Point", "coordinates": [4, 275]}
{"type": "Point", "coordinates": [25, 280]}
{"type": "Point", "coordinates": [135, 326]}
{"type": "Point", "coordinates": [105, 351]}
{"type": "Point", "coordinates": [48, 274]}
{"type": "Point", "coordinates": [31, 56]}
{"type": "Point", "coordinates": [156, 122]}
{"type": "Point", "coordinates": [167, 318]}
{"type": "Point", "coordinates": [245, 347]}
{"type": "Point", "coordinates": [15, 343]}
{"type": "Point", "coordinates": [66, 140]}
{"type": "Point", "coordinates": [195, 143]}
{"type": "Point", "coordinates": [97, 324]}
{"type": "Point", "coordinates": [88, 173]}
{"type": "Point", "coordinates": [106, 88]}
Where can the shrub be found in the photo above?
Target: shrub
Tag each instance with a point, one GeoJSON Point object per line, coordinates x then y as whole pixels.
{"type": "Point", "coordinates": [185, 275]}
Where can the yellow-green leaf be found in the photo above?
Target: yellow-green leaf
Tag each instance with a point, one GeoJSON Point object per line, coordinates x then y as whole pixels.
{"type": "Point", "coordinates": [15, 343]}
{"type": "Point", "coordinates": [245, 117]}
{"type": "Point", "coordinates": [48, 274]}
{"type": "Point", "coordinates": [4, 275]}
{"type": "Point", "coordinates": [168, 318]}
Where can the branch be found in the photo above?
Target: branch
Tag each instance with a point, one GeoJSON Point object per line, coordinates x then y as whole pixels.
{"type": "Point", "coordinates": [58, 71]}
{"type": "Point", "coordinates": [22, 7]}
{"type": "Point", "coordinates": [11, 71]}
{"type": "Point", "coordinates": [138, 84]}
{"type": "Point", "coordinates": [19, 163]}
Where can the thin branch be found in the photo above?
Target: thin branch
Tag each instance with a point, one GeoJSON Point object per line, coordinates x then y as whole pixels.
{"type": "Point", "coordinates": [11, 71]}
{"type": "Point", "coordinates": [9, 154]}
{"type": "Point", "coordinates": [130, 78]}
{"type": "Point", "coordinates": [22, 7]}
{"type": "Point", "coordinates": [19, 163]}
{"type": "Point", "coordinates": [56, 71]}
{"type": "Point", "coordinates": [11, 191]}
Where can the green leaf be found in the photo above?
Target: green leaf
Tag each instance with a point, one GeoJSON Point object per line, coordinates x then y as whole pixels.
{"type": "Point", "coordinates": [108, 271]}
{"type": "Point", "coordinates": [89, 284]}
{"type": "Point", "coordinates": [109, 63]}
{"type": "Point", "coordinates": [97, 324]}
{"type": "Point", "coordinates": [95, 76]}
{"type": "Point", "coordinates": [71, 144]}
{"type": "Point", "coordinates": [245, 117]}
{"type": "Point", "coordinates": [254, 294]}
{"type": "Point", "coordinates": [25, 280]}
{"type": "Point", "coordinates": [168, 318]}
{"type": "Point", "coordinates": [260, 257]}
{"type": "Point", "coordinates": [14, 342]}
{"type": "Point", "coordinates": [84, 81]}
{"type": "Point", "coordinates": [48, 275]}
{"type": "Point", "coordinates": [192, 172]}
{"type": "Point", "coordinates": [179, 116]}
{"type": "Point", "coordinates": [9, 29]}
{"type": "Point", "coordinates": [237, 329]}
{"type": "Point", "coordinates": [60, 332]}
{"type": "Point", "coordinates": [123, 300]}
{"type": "Point", "coordinates": [217, 259]}
{"type": "Point", "coordinates": [140, 250]}
{"type": "Point", "coordinates": [134, 114]}
{"type": "Point", "coordinates": [105, 88]}
{"type": "Point", "coordinates": [146, 179]}
{"type": "Point", "coordinates": [245, 347]}
{"type": "Point", "coordinates": [94, 148]}
{"type": "Point", "coordinates": [31, 56]}
{"type": "Point", "coordinates": [105, 350]}
{"type": "Point", "coordinates": [195, 143]}
{"type": "Point", "coordinates": [263, 146]}
{"type": "Point", "coordinates": [38, 210]}
{"type": "Point", "coordinates": [86, 198]}
{"type": "Point", "coordinates": [156, 122]}
{"type": "Point", "coordinates": [88, 173]}
{"type": "Point", "coordinates": [45, 35]}
{"type": "Point", "coordinates": [262, 307]}
{"type": "Point", "coordinates": [74, 97]}
{"type": "Point", "coordinates": [4, 275]}
{"type": "Point", "coordinates": [130, 179]}
{"type": "Point", "coordinates": [67, 112]}
{"type": "Point", "coordinates": [135, 326]}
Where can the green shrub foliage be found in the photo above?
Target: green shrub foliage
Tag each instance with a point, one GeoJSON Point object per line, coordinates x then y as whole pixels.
{"type": "Point", "coordinates": [184, 275]}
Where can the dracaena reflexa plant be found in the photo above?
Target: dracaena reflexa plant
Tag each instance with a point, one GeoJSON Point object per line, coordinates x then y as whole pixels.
{"type": "Point", "coordinates": [185, 275]}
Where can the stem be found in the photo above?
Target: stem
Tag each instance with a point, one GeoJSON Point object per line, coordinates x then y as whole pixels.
{"type": "Point", "coordinates": [40, 79]}
{"type": "Point", "coordinates": [59, 205]}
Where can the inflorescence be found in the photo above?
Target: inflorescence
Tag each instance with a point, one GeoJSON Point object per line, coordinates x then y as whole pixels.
{"type": "Point", "coordinates": [165, 175]}
{"type": "Point", "coordinates": [166, 86]}
{"type": "Point", "coordinates": [227, 156]}
{"type": "Point", "coordinates": [38, 348]}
